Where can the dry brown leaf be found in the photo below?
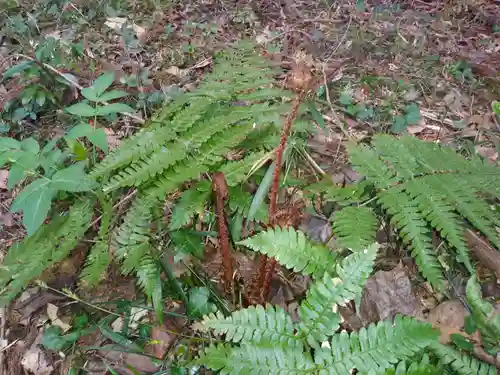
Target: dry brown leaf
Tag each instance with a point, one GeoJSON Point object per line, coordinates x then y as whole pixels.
{"type": "Point", "coordinates": [4, 176]}
{"type": "Point", "coordinates": [489, 153]}
{"type": "Point", "coordinates": [162, 340]}
{"type": "Point", "coordinates": [52, 311]}
{"type": "Point", "coordinates": [34, 359]}
{"type": "Point", "coordinates": [386, 294]}
{"type": "Point", "coordinates": [449, 318]}
{"type": "Point", "coordinates": [122, 362]}
{"type": "Point", "coordinates": [116, 23]}
{"type": "Point", "coordinates": [487, 255]}
{"type": "Point", "coordinates": [112, 138]}
{"type": "Point", "coordinates": [6, 219]}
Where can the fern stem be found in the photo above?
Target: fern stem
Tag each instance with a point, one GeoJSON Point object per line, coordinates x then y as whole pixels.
{"type": "Point", "coordinates": [266, 269]}
{"type": "Point", "coordinates": [220, 189]}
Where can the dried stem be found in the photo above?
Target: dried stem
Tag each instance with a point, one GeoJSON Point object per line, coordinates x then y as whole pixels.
{"type": "Point", "coordinates": [266, 269]}
{"type": "Point", "coordinates": [219, 187]}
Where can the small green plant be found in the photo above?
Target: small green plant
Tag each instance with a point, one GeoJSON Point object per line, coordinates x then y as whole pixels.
{"type": "Point", "coordinates": [421, 187]}
{"type": "Point", "coordinates": [265, 340]}
{"type": "Point", "coordinates": [411, 117]}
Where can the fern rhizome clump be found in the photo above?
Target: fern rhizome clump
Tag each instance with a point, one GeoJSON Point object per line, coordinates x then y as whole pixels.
{"type": "Point", "coordinates": [420, 186]}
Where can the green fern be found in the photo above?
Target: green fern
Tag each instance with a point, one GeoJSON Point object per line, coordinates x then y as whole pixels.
{"type": "Point", "coordinates": [270, 326]}
{"type": "Point", "coordinates": [375, 348]}
{"type": "Point", "coordinates": [191, 203]}
{"type": "Point", "coordinates": [462, 364]}
{"type": "Point", "coordinates": [319, 318]}
{"type": "Point", "coordinates": [98, 258]}
{"type": "Point", "coordinates": [250, 359]}
{"type": "Point", "coordinates": [292, 250]}
{"type": "Point", "coordinates": [355, 227]}
{"type": "Point", "coordinates": [415, 368]}
{"type": "Point", "coordinates": [50, 244]}
{"type": "Point", "coordinates": [485, 317]}
{"type": "Point", "coordinates": [424, 186]}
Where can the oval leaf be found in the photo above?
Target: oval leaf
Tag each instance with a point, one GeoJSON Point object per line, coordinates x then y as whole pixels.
{"type": "Point", "coordinates": [81, 109]}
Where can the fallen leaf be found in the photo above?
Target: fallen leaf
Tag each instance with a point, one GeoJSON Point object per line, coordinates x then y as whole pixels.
{"type": "Point", "coordinates": [52, 314]}
{"type": "Point", "coordinates": [449, 317]}
{"type": "Point", "coordinates": [175, 71]}
{"type": "Point", "coordinates": [112, 138]}
{"type": "Point", "coordinates": [34, 359]}
{"type": "Point", "coordinates": [489, 153]}
{"type": "Point", "coordinates": [386, 294]}
{"type": "Point", "coordinates": [6, 219]}
{"type": "Point", "coordinates": [116, 23]}
{"type": "Point", "coordinates": [161, 341]}
{"type": "Point", "coordinates": [4, 175]}
{"type": "Point", "coordinates": [122, 362]}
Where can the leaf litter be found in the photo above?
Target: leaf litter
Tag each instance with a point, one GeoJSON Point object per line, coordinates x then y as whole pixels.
{"type": "Point", "coordinates": [452, 68]}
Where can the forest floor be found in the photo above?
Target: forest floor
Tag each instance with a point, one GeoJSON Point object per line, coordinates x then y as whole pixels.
{"type": "Point", "coordinates": [429, 68]}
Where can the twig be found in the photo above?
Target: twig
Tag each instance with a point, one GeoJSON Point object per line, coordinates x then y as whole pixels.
{"type": "Point", "coordinates": [74, 83]}
{"type": "Point", "coordinates": [341, 40]}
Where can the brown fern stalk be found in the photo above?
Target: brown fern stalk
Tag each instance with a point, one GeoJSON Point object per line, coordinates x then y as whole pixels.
{"type": "Point", "coordinates": [219, 187]}
{"type": "Point", "coordinates": [266, 268]}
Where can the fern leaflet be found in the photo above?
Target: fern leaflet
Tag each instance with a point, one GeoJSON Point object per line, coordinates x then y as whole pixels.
{"type": "Point", "coordinates": [461, 363]}
{"type": "Point", "coordinates": [355, 227]}
{"type": "Point", "coordinates": [375, 348]}
{"type": "Point", "coordinates": [270, 326]}
{"type": "Point", "coordinates": [291, 249]}
{"type": "Point", "coordinates": [318, 316]}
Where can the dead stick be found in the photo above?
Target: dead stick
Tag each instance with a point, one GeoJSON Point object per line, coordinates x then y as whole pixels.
{"type": "Point", "coordinates": [220, 190]}
{"type": "Point", "coordinates": [266, 269]}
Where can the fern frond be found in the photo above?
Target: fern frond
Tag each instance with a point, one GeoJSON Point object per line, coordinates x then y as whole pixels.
{"type": "Point", "coordinates": [148, 273]}
{"type": "Point", "coordinates": [249, 359]}
{"type": "Point", "coordinates": [236, 172]}
{"type": "Point", "coordinates": [192, 202]}
{"type": "Point", "coordinates": [355, 227]}
{"type": "Point", "coordinates": [209, 154]}
{"type": "Point", "coordinates": [375, 348]}
{"type": "Point", "coordinates": [291, 249]}
{"type": "Point", "coordinates": [415, 368]}
{"type": "Point", "coordinates": [367, 162]}
{"type": "Point", "coordinates": [50, 244]}
{"type": "Point", "coordinates": [99, 257]}
{"type": "Point", "coordinates": [467, 202]}
{"type": "Point", "coordinates": [319, 317]}
{"type": "Point", "coordinates": [485, 316]}
{"type": "Point", "coordinates": [407, 218]}
{"type": "Point", "coordinates": [132, 238]}
{"type": "Point", "coordinates": [461, 363]}
{"type": "Point", "coordinates": [440, 214]}
{"type": "Point", "coordinates": [96, 264]}
{"type": "Point", "coordinates": [265, 327]}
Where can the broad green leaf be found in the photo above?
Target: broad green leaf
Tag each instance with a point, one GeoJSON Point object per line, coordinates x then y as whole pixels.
{"type": "Point", "coordinates": [198, 304]}
{"type": "Point", "coordinates": [8, 144]}
{"type": "Point", "coordinates": [102, 83]}
{"type": "Point", "coordinates": [72, 179]}
{"type": "Point", "coordinates": [30, 145]}
{"type": "Point", "coordinates": [316, 115]}
{"type": "Point", "coordinates": [412, 114]}
{"type": "Point", "coordinates": [50, 145]}
{"type": "Point", "coordinates": [114, 108]}
{"type": "Point", "coordinates": [461, 342]}
{"type": "Point", "coordinates": [49, 160]}
{"type": "Point", "coordinates": [24, 162]}
{"type": "Point", "coordinates": [157, 299]}
{"type": "Point", "coordinates": [34, 200]}
{"type": "Point", "coordinates": [90, 94]}
{"type": "Point", "coordinates": [399, 124]}
{"type": "Point", "coordinates": [112, 95]}
{"type": "Point", "coordinates": [4, 127]}
{"type": "Point", "coordinates": [81, 130]}
{"type": "Point", "coordinates": [18, 68]}
{"type": "Point", "coordinates": [119, 339]}
{"type": "Point", "coordinates": [77, 149]}
{"type": "Point", "coordinates": [187, 242]}
{"type": "Point", "coordinates": [82, 109]}
{"type": "Point", "coordinates": [345, 98]}
{"type": "Point", "coordinates": [99, 138]}
{"type": "Point", "coordinates": [495, 106]}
